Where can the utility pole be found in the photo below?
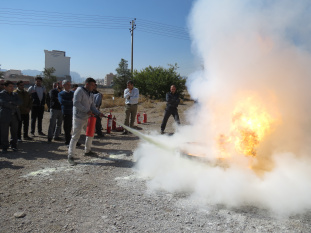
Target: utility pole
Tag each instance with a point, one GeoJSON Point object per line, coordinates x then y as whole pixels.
{"type": "Point", "coordinates": [132, 35]}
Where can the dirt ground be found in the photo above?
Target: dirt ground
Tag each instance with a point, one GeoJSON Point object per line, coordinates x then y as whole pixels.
{"type": "Point", "coordinates": [40, 192]}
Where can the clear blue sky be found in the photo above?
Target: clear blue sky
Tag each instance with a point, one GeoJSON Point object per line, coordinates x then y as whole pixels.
{"type": "Point", "coordinates": [95, 34]}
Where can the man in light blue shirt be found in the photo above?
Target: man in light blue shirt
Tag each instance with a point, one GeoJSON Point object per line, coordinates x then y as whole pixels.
{"type": "Point", "coordinates": [131, 95]}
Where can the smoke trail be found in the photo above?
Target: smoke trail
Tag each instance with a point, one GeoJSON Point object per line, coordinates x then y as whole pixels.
{"type": "Point", "coordinates": [256, 59]}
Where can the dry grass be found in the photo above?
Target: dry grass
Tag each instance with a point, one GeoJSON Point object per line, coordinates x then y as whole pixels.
{"type": "Point", "coordinates": [112, 102]}
{"type": "Point", "coordinates": [147, 104]}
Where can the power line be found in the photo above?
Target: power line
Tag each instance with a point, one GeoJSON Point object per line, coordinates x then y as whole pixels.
{"type": "Point", "coordinates": [23, 17]}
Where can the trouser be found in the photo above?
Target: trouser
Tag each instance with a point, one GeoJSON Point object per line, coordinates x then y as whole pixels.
{"type": "Point", "coordinates": [78, 125]}
{"type": "Point", "coordinates": [67, 127]}
{"type": "Point", "coordinates": [36, 112]}
{"type": "Point", "coordinates": [23, 122]}
{"type": "Point", "coordinates": [167, 114]}
{"type": "Point", "coordinates": [98, 125]}
{"type": "Point", "coordinates": [12, 125]}
{"type": "Point", "coordinates": [130, 109]}
{"type": "Point", "coordinates": [56, 119]}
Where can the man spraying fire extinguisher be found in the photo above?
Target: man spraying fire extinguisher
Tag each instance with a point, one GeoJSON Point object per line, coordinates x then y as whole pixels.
{"type": "Point", "coordinates": [83, 108]}
{"type": "Point", "coordinates": [172, 102]}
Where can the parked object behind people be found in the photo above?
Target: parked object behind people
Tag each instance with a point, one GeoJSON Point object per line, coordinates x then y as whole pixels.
{"type": "Point", "coordinates": [83, 108]}
{"type": "Point", "coordinates": [25, 108]}
{"type": "Point", "coordinates": [38, 95]}
{"type": "Point", "coordinates": [131, 95]}
{"type": "Point", "coordinates": [172, 102]}
{"type": "Point", "coordinates": [9, 116]}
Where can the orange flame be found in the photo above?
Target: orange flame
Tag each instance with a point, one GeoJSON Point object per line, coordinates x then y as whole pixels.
{"type": "Point", "coordinates": [250, 124]}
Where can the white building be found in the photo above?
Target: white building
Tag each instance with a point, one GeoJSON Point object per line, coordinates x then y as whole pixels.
{"type": "Point", "coordinates": [60, 62]}
{"type": "Point", "coordinates": [108, 81]}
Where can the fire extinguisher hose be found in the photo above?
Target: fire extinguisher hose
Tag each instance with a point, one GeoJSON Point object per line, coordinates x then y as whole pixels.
{"type": "Point", "coordinates": [146, 137]}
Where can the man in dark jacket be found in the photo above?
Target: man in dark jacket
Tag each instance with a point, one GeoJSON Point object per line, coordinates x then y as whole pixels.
{"type": "Point", "coordinates": [38, 96]}
{"type": "Point", "coordinates": [9, 116]}
{"type": "Point", "coordinates": [172, 99]}
{"type": "Point", "coordinates": [24, 109]}
{"type": "Point", "coordinates": [98, 103]}
{"type": "Point", "coordinates": [56, 116]}
{"type": "Point", "coordinates": [65, 98]}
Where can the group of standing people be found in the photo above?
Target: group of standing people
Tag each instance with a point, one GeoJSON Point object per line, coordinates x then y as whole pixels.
{"type": "Point", "coordinates": [71, 106]}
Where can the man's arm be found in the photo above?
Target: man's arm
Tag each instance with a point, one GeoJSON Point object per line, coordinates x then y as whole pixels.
{"type": "Point", "coordinates": [64, 101]}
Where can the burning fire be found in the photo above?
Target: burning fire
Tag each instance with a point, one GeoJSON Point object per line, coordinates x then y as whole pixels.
{"type": "Point", "coordinates": [250, 124]}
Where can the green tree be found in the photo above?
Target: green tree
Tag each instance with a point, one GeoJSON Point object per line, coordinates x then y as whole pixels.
{"type": "Point", "coordinates": [49, 78]}
{"type": "Point", "coordinates": [155, 82]}
{"type": "Point", "coordinates": [120, 80]}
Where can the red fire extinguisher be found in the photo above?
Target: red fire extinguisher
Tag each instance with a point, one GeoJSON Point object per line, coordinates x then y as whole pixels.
{"type": "Point", "coordinates": [114, 123]}
{"type": "Point", "coordinates": [145, 118]}
{"type": "Point", "coordinates": [138, 119]}
{"type": "Point", "coordinates": [90, 129]}
{"type": "Point", "coordinates": [109, 123]}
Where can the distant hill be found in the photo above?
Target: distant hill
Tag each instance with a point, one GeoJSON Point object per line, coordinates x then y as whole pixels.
{"type": "Point", "coordinates": [31, 72]}
{"type": "Point", "coordinates": [75, 76]}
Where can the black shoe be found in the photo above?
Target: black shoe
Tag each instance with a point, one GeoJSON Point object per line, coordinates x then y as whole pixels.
{"type": "Point", "coordinates": [41, 134]}
{"type": "Point", "coordinates": [100, 136]}
{"type": "Point", "coordinates": [19, 140]}
{"type": "Point", "coordinates": [72, 162]}
{"type": "Point", "coordinates": [32, 134]}
{"type": "Point", "coordinates": [58, 139]}
{"type": "Point", "coordinates": [27, 138]}
{"type": "Point", "coordinates": [49, 140]}
{"type": "Point", "coordinates": [125, 133]}
{"type": "Point", "coordinates": [78, 144]}
{"type": "Point", "coordinates": [162, 132]}
{"type": "Point", "coordinates": [14, 149]}
{"type": "Point", "coordinates": [91, 154]}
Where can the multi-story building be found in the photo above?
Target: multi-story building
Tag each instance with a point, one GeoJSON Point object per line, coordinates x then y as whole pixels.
{"type": "Point", "coordinates": [59, 61]}
{"type": "Point", "coordinates": [108, 81]}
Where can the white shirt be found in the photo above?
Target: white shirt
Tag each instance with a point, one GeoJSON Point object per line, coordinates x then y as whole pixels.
{"type": "Point", "coordinates": [131, 97]}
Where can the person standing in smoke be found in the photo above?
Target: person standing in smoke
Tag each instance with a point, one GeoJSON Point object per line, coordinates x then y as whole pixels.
{"type": "Point", "coordinates": [172, 102]}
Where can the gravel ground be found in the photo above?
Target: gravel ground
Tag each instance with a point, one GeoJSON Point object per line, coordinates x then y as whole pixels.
{"type": "Point", "coordinates": [40, 192]}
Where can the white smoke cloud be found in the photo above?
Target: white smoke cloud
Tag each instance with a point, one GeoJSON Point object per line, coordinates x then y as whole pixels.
{"type": "Point", "coordinates": [257, 49]}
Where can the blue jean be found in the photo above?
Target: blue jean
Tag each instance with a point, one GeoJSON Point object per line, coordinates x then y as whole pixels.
{"type": "Point", "coordinates": [56, 119]}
